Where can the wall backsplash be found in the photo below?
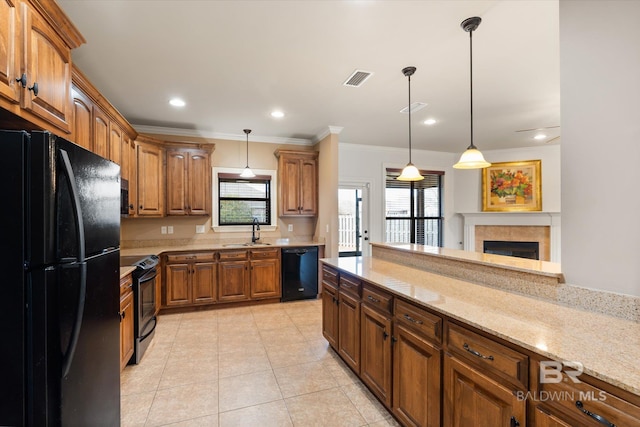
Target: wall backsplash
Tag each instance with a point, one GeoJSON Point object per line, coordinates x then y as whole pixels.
{"type": "Point", "coordinates": [140, 232]}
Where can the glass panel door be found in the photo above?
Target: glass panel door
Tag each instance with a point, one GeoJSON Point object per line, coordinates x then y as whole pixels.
{"type": "Point", "coordinates": [352, 229]}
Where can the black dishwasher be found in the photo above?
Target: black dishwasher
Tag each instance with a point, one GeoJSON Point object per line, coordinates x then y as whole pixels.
{"type": "Point", "coordinates": [299, 273]}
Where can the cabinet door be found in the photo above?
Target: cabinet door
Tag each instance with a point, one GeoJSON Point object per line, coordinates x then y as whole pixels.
{"type": "Point", "coordinates": [375, 355]}
{"type": "Point", "coordinates": [308, 187]}
{"type": "Point", "coordinates": [199, 184]}
{"type": "Point", "coordinates": [349, 330]}
{"type": "Point", "coordinates": [265, 279]}
{"type": "Point", "coordinates": [48, 64]}
{"type": "Point", "coordinates": [133, 178]}
{"type": "Point", "coordinates": [126, 329]}
{"type": "Point", "coordinates": [82, 131]}
{"type": "Point", "coordinates": [233, 281]}
{"type": "Point", "coordinates": [115, 143]}
{"type": "Point", "coordinates": [416, 379]}
{"type": "Point", "coordinates": [125, 160]}
{"type": "Point", "coordinates": [290, 186]}
{"type": "Point", "coordinates": [177, 285]}
{"type": "Point", "coordinates": [541, 417]}
{"type": "Point", "coordinates": [150, 182]}
{"type": "Point", "coordinates": [474, 399]}
{"type": "Point", "coordinates": [330, 315]}
{"type": "Point", "coordinates": [176, 183]}
{"type": "Point", "coordinates": [100, 133]}
{"type": "Point", "coordinates": [203, 281]}
{"type": "Point", "coordinates": [9, 53]}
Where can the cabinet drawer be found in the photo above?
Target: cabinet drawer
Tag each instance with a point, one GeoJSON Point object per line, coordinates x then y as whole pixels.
{"type": "Point", "coordinates": [427, 324]}
{"type": "Point", "coordinates": [271, 253]}
{"type": "Point", "coordinates": [330, 275]}
{"type": "Point", "coordinates": [575, 398]}
{"type": "Point", "coordinates": [506, 363]}
{"type": "Point", "coordinates": [376, 298]}
{"type": "Point", "coordinates": [350, 284]}
{"type": "Point", "coordinates": [126, 284]}
{"type": "Point", "coordinates": [188, 257]}
{"type": "Point", "coordinates": [233, 255]}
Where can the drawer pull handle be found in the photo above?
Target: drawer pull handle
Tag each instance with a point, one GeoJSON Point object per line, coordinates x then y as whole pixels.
{"type": "Point", "coordinates": [598, 418]}
{"type": "Point", "coordinates": [476, 353]}
{"type": "Point", "coordinates": [411, 319]}
{"type": "Point", "coordinates": [372, 299]}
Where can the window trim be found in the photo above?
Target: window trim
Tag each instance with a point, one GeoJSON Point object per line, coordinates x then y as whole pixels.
{"type": "Point", "coordinates": [215, 220]}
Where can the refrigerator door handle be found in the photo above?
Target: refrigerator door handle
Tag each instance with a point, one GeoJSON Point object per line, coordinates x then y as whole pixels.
{"type": "Point", "coordinates": [77, 213]}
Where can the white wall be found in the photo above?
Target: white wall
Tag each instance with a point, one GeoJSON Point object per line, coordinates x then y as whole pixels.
{"type": "Point", "coordinates": [600, 92]}
{"type": "Point", "coordinates": [366, 163]}
{"type": "Point", "coordinates": [468, 191]}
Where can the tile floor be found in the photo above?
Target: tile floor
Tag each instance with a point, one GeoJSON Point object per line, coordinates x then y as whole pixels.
{"type": "Point", "coordinates": [261, 366]}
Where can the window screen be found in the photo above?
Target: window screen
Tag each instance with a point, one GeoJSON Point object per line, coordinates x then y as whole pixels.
{"type": "Point", "coordinates": [413, 209]}
{"type": "Point", "coordinates": [242, 199]}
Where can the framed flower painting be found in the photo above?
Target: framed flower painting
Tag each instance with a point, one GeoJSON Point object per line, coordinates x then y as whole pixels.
{"type": "Point", "coordinates": [512, 187]}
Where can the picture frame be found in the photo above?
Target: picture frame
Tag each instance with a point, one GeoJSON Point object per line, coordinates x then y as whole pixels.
{"type": "Point", "coordinates": [512, 187]}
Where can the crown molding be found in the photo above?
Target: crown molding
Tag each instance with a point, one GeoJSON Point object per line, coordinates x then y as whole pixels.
{"type": "Point", "coordinates": [328, 131]}
{"type": "Point", "coordinates": [159, 130]}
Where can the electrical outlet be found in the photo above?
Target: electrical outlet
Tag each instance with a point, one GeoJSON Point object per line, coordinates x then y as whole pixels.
{"type": "Point", "coordinates": [200, 229]}
{"type": "Point", "coordinates": [170, 229]}
{"type": "Point", "coordinates": [163, 230]}
{"type": "Point", "coordinates": [290, 227]}
{"type": "Point", "coordinates": [327, 228]}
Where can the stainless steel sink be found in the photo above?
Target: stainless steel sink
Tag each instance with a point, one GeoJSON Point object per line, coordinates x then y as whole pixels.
{"type": "Point", "coordinates": [243, 245]}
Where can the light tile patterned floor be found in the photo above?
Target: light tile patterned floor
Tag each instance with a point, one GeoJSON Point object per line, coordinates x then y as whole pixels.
{"type": "Point", "coordinates": [265, 365]}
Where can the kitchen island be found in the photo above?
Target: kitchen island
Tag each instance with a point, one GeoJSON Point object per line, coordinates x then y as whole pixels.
{"type": "Point", "coordinates": [503, 333]}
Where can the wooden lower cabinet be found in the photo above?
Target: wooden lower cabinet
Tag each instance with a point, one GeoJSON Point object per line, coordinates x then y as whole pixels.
{"type": "Point", "coordinates": [349, 329]}
{"type": "Point", "coordinates": [234, 281]}
{"type": "Point", "coordinates": [476, 400]}
{"type": "Point", "coordinates": [330, 314]}
{"type": "Point", "coordinates": [375, 353]}
{"type": "Point", "coordinates": [264, 274]}
{"type": "Point", "coordinates": [541, 417]}
{"type": "Point", "coordinates": [417, 368]}
{"type": "Point", "coordinates": [126, 321]}
{"type": "Point", "coordinates": [190, 279]}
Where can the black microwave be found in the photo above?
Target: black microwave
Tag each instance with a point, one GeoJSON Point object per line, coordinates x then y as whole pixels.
{"type": "Point", "coordinates": [124, 197]}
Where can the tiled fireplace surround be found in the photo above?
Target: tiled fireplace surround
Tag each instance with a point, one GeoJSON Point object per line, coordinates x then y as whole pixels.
{"type": "Point", "coordinates": [541, 227]}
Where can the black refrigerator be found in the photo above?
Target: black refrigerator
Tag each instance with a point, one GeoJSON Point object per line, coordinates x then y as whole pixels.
{"type": "Point", "coordinates": [59, 294]}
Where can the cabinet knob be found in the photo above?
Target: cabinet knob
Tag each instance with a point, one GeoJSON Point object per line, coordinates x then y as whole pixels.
{"type": "Point", "coordinates": [131, 207]}
{"type": "Point", "coordinates": [34, 88]}
{"type": "Point", "coordinates": [22, 80]}
{"type": "Point", "coordinates": [141, 207]}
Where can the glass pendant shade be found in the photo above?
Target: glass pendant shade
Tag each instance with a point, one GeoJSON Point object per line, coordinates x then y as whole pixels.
{"type": "Point", "coordinates": [247, 172]}
{"type": "Point", "coordinates": [472, 159]}
{"type": "Point", "coordinates": [410, 173]}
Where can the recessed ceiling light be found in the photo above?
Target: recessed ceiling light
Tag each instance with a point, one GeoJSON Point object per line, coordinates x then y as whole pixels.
{"type": "Point", "coordinates": [430, 122]}
{"type": "Point", "coordinates": [177, 102]}
{"type": "Point", "coordinates": [540, 136]}
{"type": "Point", "coordinates": [277, 114]}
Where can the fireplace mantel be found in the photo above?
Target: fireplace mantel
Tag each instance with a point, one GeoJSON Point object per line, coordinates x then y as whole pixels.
{"type": "Point", "coordinates": [550, 219]}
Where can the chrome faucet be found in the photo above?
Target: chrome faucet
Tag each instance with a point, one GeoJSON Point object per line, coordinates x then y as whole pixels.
{"type": "Point", "coordinates": [255, 226]}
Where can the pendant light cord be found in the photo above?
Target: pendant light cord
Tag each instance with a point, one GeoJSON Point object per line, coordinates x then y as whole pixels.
{"type": "Point", "coordinates": [247, 150]}
{"type": "Point", "coordinates": [471, 85]}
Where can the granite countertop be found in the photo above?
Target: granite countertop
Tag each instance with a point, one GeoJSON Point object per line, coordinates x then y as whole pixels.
{"type": "Point", "coordinates": [544, 268]}
{"type": "Point", "coordinates": [157, 250]}
{"type": "Point", "coordinates": [608, 347]}
{"type": "Point", "coordinates": [126, 270]}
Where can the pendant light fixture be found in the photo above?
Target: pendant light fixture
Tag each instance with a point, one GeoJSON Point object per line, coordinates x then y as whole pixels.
{"type": "Point", "coordinates": [410, 172]}
{"type": "Point", "coordinates": [472, 158]}
{"type": "Point", "coordinates": [247, 172]}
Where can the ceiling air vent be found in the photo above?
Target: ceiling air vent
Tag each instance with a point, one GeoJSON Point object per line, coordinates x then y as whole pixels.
{"type": "Point", "coordinates": [414, 107]}
{"type": "Point", "coordinates": [357, 78]}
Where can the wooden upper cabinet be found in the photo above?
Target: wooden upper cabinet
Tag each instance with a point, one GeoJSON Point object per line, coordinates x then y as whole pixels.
{"type": "Point", "coordinates": [81, 131]}
{"type": "Point", "coordinates": [150, 179]}
{"type": "Point", "coordinates": [115, 143]}
{"type": "Point", "coordinates": [9, 50]}
{"type": "Point", "coordinates": [125, 160]}
{"type": "Point", "coordinates": [48, 69]}
{"type": "Point", "coordinates": [297, 183]}
{"type": "Point", "coordinates": [188, 182]}
{"type": "Point", "coordinates": [100, 133]}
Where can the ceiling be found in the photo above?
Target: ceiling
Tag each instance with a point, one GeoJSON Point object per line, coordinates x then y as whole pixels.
{"type": "Point", "coordinates": [234, 62]}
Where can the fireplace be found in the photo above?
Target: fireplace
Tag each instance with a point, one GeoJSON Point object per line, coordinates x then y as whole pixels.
{"type": "Point", "coordinates": [510, 248]}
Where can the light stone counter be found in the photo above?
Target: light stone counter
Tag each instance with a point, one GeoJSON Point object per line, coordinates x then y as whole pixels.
{"type": "Point", "coordinates": [125, 270]}
{"type": "Point", "coordinates": [159, 249]}
{"type": "Point", "coordinates": [608, 347]}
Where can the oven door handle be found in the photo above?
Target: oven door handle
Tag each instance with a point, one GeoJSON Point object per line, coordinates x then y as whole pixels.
{"type": "Point", "coordinates": [155, 323]}
{"type": "Point", "coordinates": [149, 275]}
